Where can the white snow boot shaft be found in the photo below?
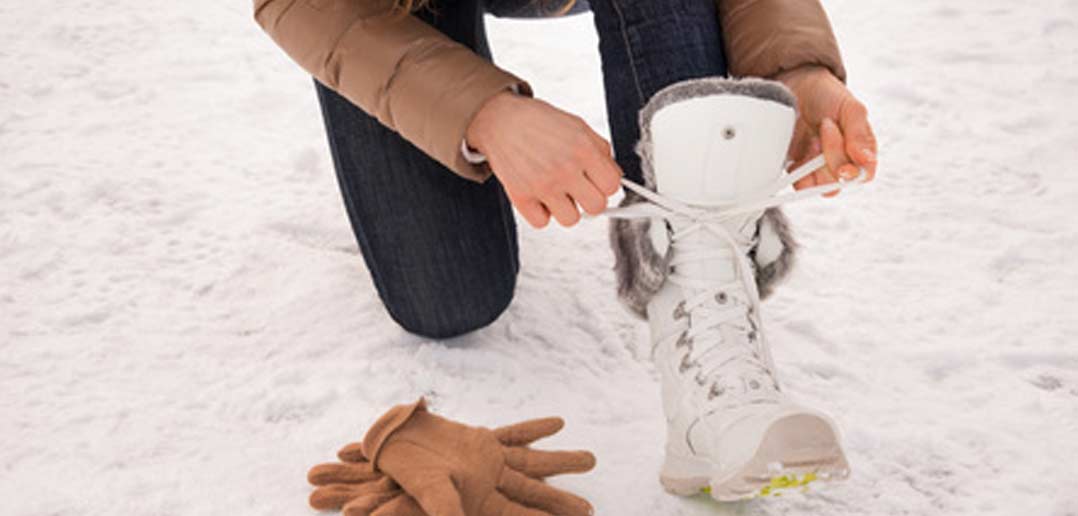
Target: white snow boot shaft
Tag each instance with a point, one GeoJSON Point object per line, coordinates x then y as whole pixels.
{"type": "Point", "coordinates": [716, 149]}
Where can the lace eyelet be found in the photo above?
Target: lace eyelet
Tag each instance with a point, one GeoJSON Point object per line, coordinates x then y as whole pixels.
{"type": "Point", "coordinates": [685, 364]}
{"type": "Point", "coordinates": [684, 340]}
{"type": "Point", "coordinates": [721, 298]}
{"type": "Point", "coordinates": [753, 336]}
{"type": "Point", "coordinates": [715, 392]}
{"type": "Point", "coordinates": [679, 311]}
{"type": "Point", "coordinates": [754, 384]}
{"type": "Point", "coordinates": [729, 132]}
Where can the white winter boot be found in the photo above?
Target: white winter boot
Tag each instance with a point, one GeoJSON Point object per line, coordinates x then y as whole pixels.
{"type": "Point", "coordinates": [715, 150]}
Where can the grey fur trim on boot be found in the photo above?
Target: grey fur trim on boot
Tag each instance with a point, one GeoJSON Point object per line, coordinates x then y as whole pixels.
{"type": "Point", "coordinates": [640, 269]}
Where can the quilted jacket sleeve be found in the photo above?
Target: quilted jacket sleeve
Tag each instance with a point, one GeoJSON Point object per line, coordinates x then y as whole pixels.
{"type": "Point", "coordinates": [413, 78]}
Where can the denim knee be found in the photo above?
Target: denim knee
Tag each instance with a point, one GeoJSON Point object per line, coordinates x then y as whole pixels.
{"type": "Point", "coordinates": [532, 9]}
{"type": "Point", "coordinates": [446, 316]}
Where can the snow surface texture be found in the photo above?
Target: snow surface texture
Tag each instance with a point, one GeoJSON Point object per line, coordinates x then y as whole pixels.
{"type": "Point", "coordinates": [186, 325]}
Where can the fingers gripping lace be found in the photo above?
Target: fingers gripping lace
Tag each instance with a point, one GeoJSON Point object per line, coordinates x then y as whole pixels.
{"type": "Point", "coordinates": [712, 307]}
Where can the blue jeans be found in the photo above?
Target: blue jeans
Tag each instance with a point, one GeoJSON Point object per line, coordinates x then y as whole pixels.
{"type": "Point", "coordinates": [442, 250]}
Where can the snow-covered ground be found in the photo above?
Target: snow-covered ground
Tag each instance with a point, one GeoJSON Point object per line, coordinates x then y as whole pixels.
{"type": "Point", "coordinates": [186, 325]}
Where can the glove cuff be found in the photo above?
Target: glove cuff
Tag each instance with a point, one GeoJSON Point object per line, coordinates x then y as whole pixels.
{"type": "Point", "coordinates": [382, 429]}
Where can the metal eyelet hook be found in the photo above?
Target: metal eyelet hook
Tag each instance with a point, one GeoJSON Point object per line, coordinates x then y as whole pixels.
{"type": "Point", "coordinates": [685, 364]}
{"type": "Point", "coordinates": [679, 311]}
{"type": "Point", "coordinates": [715, 391]}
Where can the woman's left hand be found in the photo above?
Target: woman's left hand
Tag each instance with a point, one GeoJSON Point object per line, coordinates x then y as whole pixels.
{"type": "Point", "coordinates": [830, 121]}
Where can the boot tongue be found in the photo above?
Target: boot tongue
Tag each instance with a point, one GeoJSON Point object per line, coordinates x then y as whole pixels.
{"type": "Point", "coordinates": [721, 268]}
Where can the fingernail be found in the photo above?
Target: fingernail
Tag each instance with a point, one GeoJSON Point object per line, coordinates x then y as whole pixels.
{"type": "Point", "coordinates": [869, 155]}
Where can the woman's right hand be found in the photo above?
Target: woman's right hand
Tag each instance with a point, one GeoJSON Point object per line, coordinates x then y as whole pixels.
{"type": "Point", "coordinates": [549, 161]}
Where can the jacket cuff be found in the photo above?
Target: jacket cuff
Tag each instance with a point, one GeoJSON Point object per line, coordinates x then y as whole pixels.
{"type": "Point", "coordinates": [764, 38]}
{"type": "Point", "coordinates": [383, 429]}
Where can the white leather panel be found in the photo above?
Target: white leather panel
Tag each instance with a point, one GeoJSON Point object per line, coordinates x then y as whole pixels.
{"type": "Point", "coordinates": [710, 150]}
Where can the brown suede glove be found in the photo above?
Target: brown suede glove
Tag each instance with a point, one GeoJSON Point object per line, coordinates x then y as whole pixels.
{"type": "Point", "coordinates": [355, 487]}
{"type": "Point", "coordinates": [439, 467]}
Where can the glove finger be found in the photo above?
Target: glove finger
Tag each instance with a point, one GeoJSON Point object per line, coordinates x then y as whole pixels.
{"type": "Point", "coordinates": [332, 496]}
{"type": "Point", "coordinates": [534, 493]}
{"type": "Point", "coordinates": [497, 503]}
{"type": "Point", "coordinates": [335, 496]}
{"type": "Point", "coordinates": [342, 473]}
{"type": "Point", "coordinates": [402, 505]}
{"type": "Point", "coordinates": [527, 432]}
{"type": "Point", "coordinates": [368, 503]}
{"type": "Point", "coordinates": [352, 452]}
{"type": "Point", "coordinates": [539, 463]}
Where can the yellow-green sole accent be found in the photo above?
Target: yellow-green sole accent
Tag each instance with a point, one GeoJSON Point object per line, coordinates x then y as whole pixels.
{"type": "Point", "coordinates": [777, 485]}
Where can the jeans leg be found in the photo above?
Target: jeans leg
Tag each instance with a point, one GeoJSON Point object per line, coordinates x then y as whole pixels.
{"type": "Point", "coordinates": [646, 45]}
{"type": "Point", "coordinates": [442, 250]}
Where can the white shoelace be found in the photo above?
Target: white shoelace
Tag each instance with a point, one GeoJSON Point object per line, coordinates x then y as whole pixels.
{"type": "Point", "coordinates": [712, 307]}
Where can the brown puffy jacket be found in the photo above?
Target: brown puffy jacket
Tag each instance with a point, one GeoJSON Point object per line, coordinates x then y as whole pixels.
{"type": "Point", "coordinates": [427, 87]}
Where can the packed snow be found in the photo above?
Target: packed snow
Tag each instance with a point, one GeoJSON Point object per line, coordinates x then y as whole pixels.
{"type": "Point", "coordinates": [186, 324]}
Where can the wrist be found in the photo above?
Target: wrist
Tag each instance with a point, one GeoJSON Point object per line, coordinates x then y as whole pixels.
{"type": "Point", "coordinates": [804, 73]}
{"type": "Point", "coordinates": [488, 118]}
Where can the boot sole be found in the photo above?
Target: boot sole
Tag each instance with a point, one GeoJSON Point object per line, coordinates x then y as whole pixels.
{"type": "Point", "coordinates": [802, 450]}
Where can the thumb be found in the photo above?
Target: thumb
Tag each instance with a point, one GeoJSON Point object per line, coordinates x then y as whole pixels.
{"type": "Point", "coordinates": [424, 475]}
{"type": "Point", "coordinates": [437, 497]}
{"type": "Point", "coordinates": [403, 505]}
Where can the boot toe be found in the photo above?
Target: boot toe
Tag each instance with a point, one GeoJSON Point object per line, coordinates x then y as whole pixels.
{"type": "Point", "coordinates": [793, 450]}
